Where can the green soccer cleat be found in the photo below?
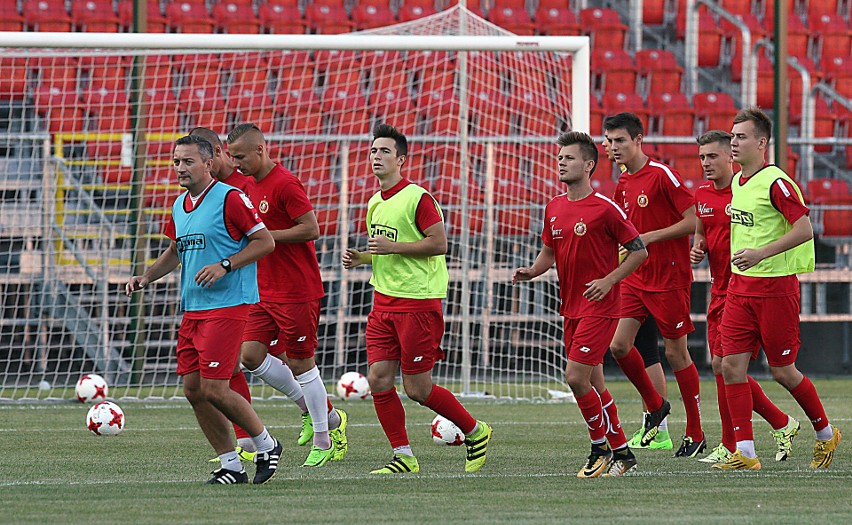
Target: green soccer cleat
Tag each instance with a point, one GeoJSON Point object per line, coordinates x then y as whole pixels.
{"type": "Point", "coordinates": [338, 437]}
{"type": "Point", "coordinates": [662, 441]}
{"type": "Point", "coordinates": [400, 464]}
{"type": "Point", "coordinates": [719, 454]}
{"type": "Point", "coordinates": [636, 440]}
{"type": "Point", "coordinates": [307, 433]}
{"type": "Point", "coordinates": [245, 455]}
{"type": "Point", "coordinates": [319, 457]}
{"type": "Point", "coordinates": [477, 444]}
{"type": "Point", "coordinates": [784, 439]}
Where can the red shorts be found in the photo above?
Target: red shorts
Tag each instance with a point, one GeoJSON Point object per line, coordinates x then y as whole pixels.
{"type": "Point", "coordinates": [209, 345]}
{"type": "Point", "coordinates": [587, 339]}
{"type": "Point", "coordinates": [294, 325]}
{"type": "Point", "coordinates": [714, 322]}
{"type": "Point", "coordinates": [670, 309]}
{"type": "Point", "coordinates": [412, 338]}
{"type": "Point", "coordinates": [771, 322]}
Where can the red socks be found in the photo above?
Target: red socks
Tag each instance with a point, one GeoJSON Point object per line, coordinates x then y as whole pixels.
{"type": "Point", "coordinates": [590, 407]}
{"type": "Point", "coordinates": [614, 433]}
{"type": "Point", "coordinates": [391, 416]}
{"type": "Point", "coordinates": [239, 385]}
{"type": "Point", "coordinates": [806, 395]}
{"type": "Point", "coordinates": [728, 438]}
{"type": "Point", "coordinates": [766, 408]}
{"type": "Point", "coordinates": [634, 368]}
{"type": "Point", "coordinates": [443, 402]}
{"type": "Point", "coordinates": [740, 407]}
{"type": "Point", "coordinates": [688, 383]}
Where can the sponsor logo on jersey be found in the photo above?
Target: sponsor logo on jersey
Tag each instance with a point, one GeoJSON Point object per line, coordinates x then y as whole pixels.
{"type": "Point", "coordinates": [585, 349]}
{"type": "Point", "coordinates": [246, 201]}
{"type": "Point", "coordinates": [642, 200]}
{"type": "Point", "coordinates": [580, 229]}
{"type": "Point", "coordinates": [704, 210]}
{"type": "Point", "coordinates": [553, 218]}
{"type": "Point", "coordinates": [679, 325]}
{"type": "Point", "coordinates": [264, 206]}
{"type": "Point", "coordinates": [417, 359]}
{"type": "Point", "coordinates": [302, 339]}
{"type": "Point", "coordinates": [387, 231]}
{"type": "Point", "coordinates": [214, 364]}
{"type": "Point", "coordinates": [786, 352]}
{"type": "Point", "coordinates": [743, 217]}
{"type": "Point", "coordinates": [193, 241]}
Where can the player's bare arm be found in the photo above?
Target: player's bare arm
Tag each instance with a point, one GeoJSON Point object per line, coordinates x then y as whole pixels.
{"type": "Point", "coordinates": [699, 244]}
{"type": "Point", "coordinates": [685, 226]}
{"type": "Point", "coordinates": [165, 263]}
{"type": "Point", "coordinates": [260, 244]}
{"type": "Point", "coordinates": [636, 255]}
{"type": "Point", "coordinates": [801, 232]}
{"type": "Point", "coordinates": [306, 229]}
{"type": "Point", "coordinates": [353, 258]}
{"type": "Point", "coordinates": [543, 262]}
{"type": "Point", "coordinates": [435, 243]}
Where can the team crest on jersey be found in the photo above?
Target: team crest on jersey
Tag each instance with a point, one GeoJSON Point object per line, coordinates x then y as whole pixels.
{"type": "Point", "coordinates": [728, 210]}
{"type": "Point", "coordinates": [642, 200]}
{"type": "Point", "coordinates": [264, 206]}
{"type": "Point", "coordinates": [580, 229]}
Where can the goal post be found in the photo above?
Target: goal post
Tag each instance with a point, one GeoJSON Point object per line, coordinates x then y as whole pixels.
{"type": "Point", "coordinates": [86, 186]}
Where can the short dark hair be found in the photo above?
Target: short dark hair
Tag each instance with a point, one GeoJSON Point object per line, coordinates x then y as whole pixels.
{"type": "Point", "coordinates": [713, 136]}
{"type": "Point", "coordinates": [627, 121]}
{"type": "Point", "coordinates": [241, 129]}
{"type": "Point", "coordinates": [588, 149]}
{"type": "Point", "coordinates": [208, 134]}
{"type": "Point", "coordinates": [204, 146]}
{"type": "Point", "coordinates": [386, 131]}
{"type": "Point", "coordinates": [762, 123]}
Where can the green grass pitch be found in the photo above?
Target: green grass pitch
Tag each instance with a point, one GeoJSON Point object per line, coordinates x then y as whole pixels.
{"type": "Point", "coordinates": [52, 470]}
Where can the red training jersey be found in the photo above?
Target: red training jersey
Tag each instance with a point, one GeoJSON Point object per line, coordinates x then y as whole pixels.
{"type": "Point", "coordinates": [713, 209]}
{"type": "Point", "coordinates": [585, 236]}
{"type": "Point", "coordinates": [290, 274]}
{"type": "Point", "coordinates": [238, 180]}
{"type": "Point", "coordinates": [785, 199]}
{"type": "Point", "coordinates": [655, 198]}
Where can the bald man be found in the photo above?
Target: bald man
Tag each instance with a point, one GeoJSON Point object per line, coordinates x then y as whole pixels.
{"type": "Point", "coordinates": [290, 293]}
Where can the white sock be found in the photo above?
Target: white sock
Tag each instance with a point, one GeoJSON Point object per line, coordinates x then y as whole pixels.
{"type": "Point", "coordinates": [747, 448]}
{"type": "Point", "coordinates": [405, 451]}
{"type": "Point", "coordinates": [825, 434]}
{"type": "Point", "coordinates": [333, 419]}
{"type": "Point", "coordinates": [316, 398]}
{"type": "Point", "coordinates": [664, 424]}
{"type": "Point", "coordinates": [263, 441]}
{"type": "Point", "coordinates": [231, 461]}
{"type": "Point", "coordinates": [247, 444]}
{"type": "Point", "coordinates": [474, 431]}
{"type": "Point", "coordinates": [279, 376]}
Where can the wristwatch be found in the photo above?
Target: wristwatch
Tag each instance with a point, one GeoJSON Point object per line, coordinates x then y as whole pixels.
{"type": "Point", "coordinates": [226, 264]}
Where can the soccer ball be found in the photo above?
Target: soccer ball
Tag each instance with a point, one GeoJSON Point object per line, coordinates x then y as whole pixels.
{"type": "Point", "coordinates": [105, 419]}
{"type": "Point", "coordinates": [91, 387]}
{"type": "Point", "coordinates": [445, 432]}
{"type": "Point", "coordinates": [353, 385]}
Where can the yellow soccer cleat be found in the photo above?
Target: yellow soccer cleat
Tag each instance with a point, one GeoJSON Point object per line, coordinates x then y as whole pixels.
{"type": "Point", "coordinates": [598, 463]}
{"type": "Point", "coordinates": [477, 444]}
{"type": "Point", "coordinates": [338, 437]}
{"type": "Point", "coordinates": [738, 462]}
{"type": "Point", "coordinates": [824, 450]}
{"type": "Point", "coordinates": [400, 464]}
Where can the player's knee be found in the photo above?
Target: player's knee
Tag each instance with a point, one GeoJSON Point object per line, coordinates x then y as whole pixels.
{"type": "Point", "coordinates": [580, 385]}
{"type": "Point", "coordinates": [787, 376]}
{"type": "Point", "coordinates": [379, 382]}
{"type": "Point", "coordinates": [193, 394]}
{"type": "Point", "coordinates": [716, 364]}
{"type": "Point", "coordinates": [252, 357]}
{"type": "Point", "coordinates": [417, 394]}
{"type": "Point", "coordinates": [619, 349]}
{"type": "Point", "coordinates": [300, 366]}
{"type": "Point", "coordinates": [732, 372]}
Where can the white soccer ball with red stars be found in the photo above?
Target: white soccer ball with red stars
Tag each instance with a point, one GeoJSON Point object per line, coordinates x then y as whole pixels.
{"type": "Point", "coordinates": [105, 419]}
{"type": "Point", "coordinates": [91, 388]}
{"type": "Point", "coordinates": [353, 385]}
{"type": "Point", "coordinates": [445, 432]}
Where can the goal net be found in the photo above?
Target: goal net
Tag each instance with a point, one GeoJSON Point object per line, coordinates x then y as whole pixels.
{"type": "Point", "coordinates": [87, 123]}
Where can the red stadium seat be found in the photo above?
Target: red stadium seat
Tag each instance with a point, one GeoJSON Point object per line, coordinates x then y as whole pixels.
{"type": "Point", "coordinates": [838, 72]}
{"type": "Point", "coordinates": [448, 194]}
{"type": "Point", "coordinates": [369, 16]}
{"type": "Point", "coordinates": [440, 111]}
{"type": "Point", "coordinates": [13, 81]}
{"type": "Point", "coordinates": [327, 19]}
{"type": "Point", "coordinates": [489, 113]}
{"type": "Point", "coordinates": [798, 37]}
{"type": "Point", "coordinates": [256, 107]}
{"type": "Point", "coordinates": [833, 34]}
{"type": "Point", "coordinates": [61, 110]}
{"type": "Point", "coordinates": [659, 69]}
{"type": "Point", "coordinates": [116, 174]}
{"type": "Point", "coordinates": [94, 16]}
{"type": "Point", "coordinates": [104, 72]}
{"type": "Point", "coordinates": [815, 8]}
{"type": "Point", "coordinates": [161, 189]}
{"type": "Point", "coordinates": [236, 18]}
{"type": "Point", "coordinates": [158, 72]}
{"type": "Point", "coordinates": [110, 111]}
{"type": "Point", "coordinates": [714, 110]}
{"type": "Point", "coordinates": [155, 22]}
{"type": "Point", "coordinates": [337, 60]}
{"type": "Point", "coordinates": [202, 71]}
{"type": "Point", "coordinates": [59, 72]}
{"type": "Point", "coordinates": [737, 7]}
{"type": "Point", "coordinates": [653, 12]}
{"type": "Point", "coordinates": [205, 107]}
{"type": "Point", "coordinates": [837, 219]}
{"type": "Point", "coordinates": [324, 196]}
{"type": "Point", "coordinates": [673, 113]}
{"type": "Point", "coordinates": [162, 111]}
{"type": "Point", "coordinates": [10, 18]}
{"type": "Point", "coordinates": [249, 70]}
{"type": "Point", "coordinates": [733, 37]}
{"type": "Point", "coordinates": [534, 113]}
{"type": "Point", "coordinates": [604, 26]}
{"type": "Point", "coordinates": [556, 21]}
{"type": "Point", "coordinates": [795, 86]}
{"type": "Point", "coordinates": [189, 16]}
{"type": "Point", "coordinates": [395, 106]}
{"type": "Point", "coordinates": [613, 103]}
{"type": "Point", "coordinates": [409, 12]}
{"type": "Point", "coordinates": [612, 70]}
{"type": "Point", "coordinates": [294, 69]}
{"type": "Point", "coordinates": [47, 15]}
{"type": "Point", "coordinates": [596, 117]}
{"type": "Point", "coordinates": [603, 173]}
{"type": "Point", "coordinates": [301, 110]}
{"type": "Point", "coordinates": [514, 19]}
{"type": "Point", "coordinates": [282, 17]}
{"type": "Point", "coordinates": [822, 189]}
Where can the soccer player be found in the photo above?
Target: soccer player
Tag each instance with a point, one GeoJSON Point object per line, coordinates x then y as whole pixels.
{"type": "Point", "coordinates": [659, 205]}
{"type": "Point", "coordinates": [713, 240]}
{"type": "Point", "coordinates": [407, 248]}
{"type": "Point", "coordinates": [217, 237]}
{"type": "Point", "coordinates": [582, 233]}
{"type": "Point", "coordinates": [646, 343]}
{"type": "Point", "coordinates": [290, 294]}
{"type": "Point", "coordinates": [771, 242]}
